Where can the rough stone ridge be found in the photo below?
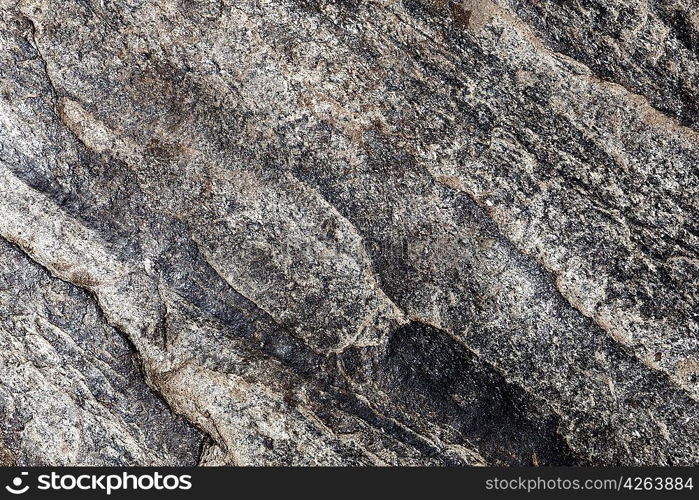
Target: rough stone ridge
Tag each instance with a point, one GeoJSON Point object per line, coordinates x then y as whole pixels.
{"type": "Point", "coordinates": [71, 390]}
{"type": "Point", "coordinates": [340, 232]}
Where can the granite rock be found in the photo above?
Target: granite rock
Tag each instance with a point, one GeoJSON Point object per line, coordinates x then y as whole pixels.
{"type": "Point", "coordinates": [332, 232]}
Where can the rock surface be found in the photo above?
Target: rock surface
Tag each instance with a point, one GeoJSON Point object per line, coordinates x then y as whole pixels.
{"type": "Point", "coordinates": [338, 232]}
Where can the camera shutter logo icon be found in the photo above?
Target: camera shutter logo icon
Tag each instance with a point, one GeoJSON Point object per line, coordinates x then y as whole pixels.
{"type": "Point", "coordinates": [16, 488]}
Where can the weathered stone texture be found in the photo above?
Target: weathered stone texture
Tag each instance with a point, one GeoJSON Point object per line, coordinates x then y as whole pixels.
{"type": "Point", "coordinates": [343, 232]}
{"type": "Point", "coordinates": [71, 391]}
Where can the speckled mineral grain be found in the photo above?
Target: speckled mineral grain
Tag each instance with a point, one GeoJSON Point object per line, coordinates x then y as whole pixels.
{"type": "Point", "coordinates": [295, 232]}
